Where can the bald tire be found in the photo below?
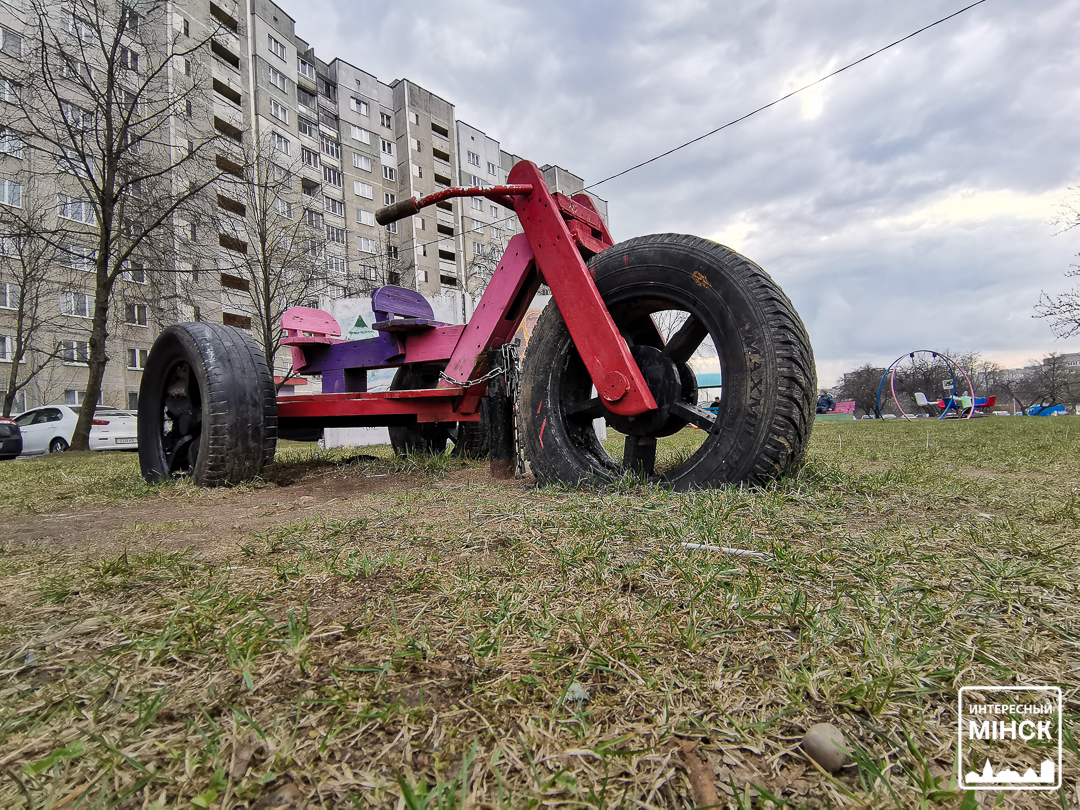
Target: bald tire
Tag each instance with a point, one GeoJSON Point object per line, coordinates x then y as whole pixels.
{"type": "Point", "coordinates": [763, 427]}
{"type": "Point", "coordinates": [238, 402]}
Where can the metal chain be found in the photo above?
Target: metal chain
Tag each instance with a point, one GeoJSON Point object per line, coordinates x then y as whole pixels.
{"type": "Point", "coordinates": [491, 375]}
{"type": "Point", "coordinates": [513, 380]}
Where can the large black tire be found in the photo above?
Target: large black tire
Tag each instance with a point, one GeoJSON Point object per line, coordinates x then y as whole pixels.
{"type": "Point", "coordinates": [769, 382]}
{"type": "Point", "coordinates": [470, 439]}
{"type": "Point", "coordinates": [207, 407]}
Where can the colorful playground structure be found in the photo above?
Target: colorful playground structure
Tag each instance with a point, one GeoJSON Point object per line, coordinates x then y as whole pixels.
{"type": "Point", "coordinates": [953, 405]}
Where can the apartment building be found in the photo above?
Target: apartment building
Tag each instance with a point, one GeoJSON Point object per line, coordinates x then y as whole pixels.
{"type": "Point", "coordinates": [343, 143]}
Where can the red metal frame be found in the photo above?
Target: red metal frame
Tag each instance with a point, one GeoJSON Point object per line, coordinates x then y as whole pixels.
{"type": "Point", "coordinates": [559, 234]}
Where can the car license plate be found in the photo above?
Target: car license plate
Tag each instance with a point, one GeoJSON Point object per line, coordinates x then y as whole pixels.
{"type": "Point", "coordinates": [127, 440]}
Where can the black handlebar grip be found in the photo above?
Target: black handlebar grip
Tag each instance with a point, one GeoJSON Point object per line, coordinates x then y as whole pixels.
{"type": "Point", "coordinates": [399, 210]}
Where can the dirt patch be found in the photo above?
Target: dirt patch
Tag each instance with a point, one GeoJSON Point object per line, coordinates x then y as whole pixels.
{"type": "Point", "coordinates": [211, 522]}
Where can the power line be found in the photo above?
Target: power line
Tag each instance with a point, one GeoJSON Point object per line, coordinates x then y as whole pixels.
{"type": "Point", "coordinates": [789, 95]}
{"type": "Point", "coordinates": [732, 122]}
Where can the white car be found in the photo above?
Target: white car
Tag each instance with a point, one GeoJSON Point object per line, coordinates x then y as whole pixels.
{"type": "Point", "coordinates": [49, 429]}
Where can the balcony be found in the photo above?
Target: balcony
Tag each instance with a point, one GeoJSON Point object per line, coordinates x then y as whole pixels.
{"type": "Point", "coordinates": [232, 115]}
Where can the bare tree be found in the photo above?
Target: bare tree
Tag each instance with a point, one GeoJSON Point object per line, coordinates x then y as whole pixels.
{"type": "Point", "coordinates": [481, 267]}
{"type": "Point", "coordinates": [1043, 383]}
{"type": "Point", "coordinates": [1063, 310]}
{"type": "Point", "coordinates": [390, 265]}
{"type": "Point", "coordinates": [28, 294]}
{"type": "Point", "coordinates": [106, 90]}
{"type": "Point", "coordinates": [291, 257]}
{"type": "Point", "coordinates": [861, 386]}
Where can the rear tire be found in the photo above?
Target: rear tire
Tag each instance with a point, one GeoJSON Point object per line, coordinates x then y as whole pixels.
{"type": "Point", "coordinates": [763, 426]}
{"type": "Point", "coordinates": [58, 445]}
{"type": "Point", "coordinates": [207, 407]}
{"type": "Point", "coordinates": [429, 438]}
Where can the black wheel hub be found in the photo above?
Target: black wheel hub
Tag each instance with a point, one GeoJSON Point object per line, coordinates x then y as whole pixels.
{"type": "Point", "coordinates": [665, 384]}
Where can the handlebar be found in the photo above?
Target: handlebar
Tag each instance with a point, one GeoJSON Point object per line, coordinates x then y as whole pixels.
{"type": "Point", "coordinates": [406, 208]}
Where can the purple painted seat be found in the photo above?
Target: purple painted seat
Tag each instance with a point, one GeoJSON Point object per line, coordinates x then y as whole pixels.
{"type": "Point", "coordinates": [400, 310]}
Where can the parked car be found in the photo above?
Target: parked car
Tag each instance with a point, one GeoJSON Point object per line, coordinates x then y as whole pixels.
{"type": "Point", "coordinates": [10, 439]}
{"type": "Point", "coordinates": [49, 429]}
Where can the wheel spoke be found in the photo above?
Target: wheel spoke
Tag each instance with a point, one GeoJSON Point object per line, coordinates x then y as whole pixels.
{"type": "Point", "coordinates": [591, 408]}
{"type": "Point", "coordinates": [684, 343]}
{"type": "Point", "coordinates": [694, 415]}
{"type": "Point", "coordinates": [639, 454]}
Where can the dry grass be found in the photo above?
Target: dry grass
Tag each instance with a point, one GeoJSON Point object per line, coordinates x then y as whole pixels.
{"type": "Point", "coordinates": [469, 644]}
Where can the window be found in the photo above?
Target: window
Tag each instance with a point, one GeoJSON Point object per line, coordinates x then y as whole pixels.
{"type": "Point", "coordinates": [77, 210]}
{"type": "Point", "coordinates": [75, 25]}
{"type": "Point", "coordinates": [76, 117]}
{"type": "Point", "coordinates": [277, 78]}
{"type": "Point", "coordinates": [279, 173]}
{"type": "Point", "coordinates": [415, 118]}
{"type": "Point", "coordinates": [75, 352]}
{"type": "Point", "coordinates": [336, 264]}
{"type": "Point", "coordinates": [10, 42]}
{"type": "Point", "coordinates": [187, 67]}
{"type": "Point", "coordinates": [365, 217]}
{"type": "Point", "coordinates": [359, 105]}
{"type": "Point", "coordinates": [386, 120]}
{"type": "Point", "coordinates": [193, 232]}
{"type": "Point", "coordinates": [477, 248]}
{"type": "Point", "coordinates": [135, 314]}
{"type": "Point", "coordinates": [312, 218]}
{"type": "Point", "coordinates": [74, 69]}
{"type": "Point", "coordinates": [279, 142]}
{"type": "Point", "coordinates": [363, 190]}
{"type": "Point", "coordinates": [129, 59]}
{"type": "Point", "coordinates": [387, 146]}
{"type": "Point", "coordinates": [366, 245]}
{"type": "Point", "coordinates": [389, 173]}
{"type": "Point", "coordinates": [283, 207]}
{"type": "Point", "coordinates": [391, 228]}
{"type": "Point", "coordinates": [10, 143]}
{"type": "Point", "coordinates": [276, 48]}
{"type": "Point", "coordinates": [7, 351]}
{"type": "Point", "coordinates": [368, 272]}
{"type": "Point", "coordinates": [331, 148]}
{"type": "Point", "coordinates": [495, 211]}
{"type": "Point", "coordinates": [306, 97]}
{"type": "Point", "coordinates": [423, 275]}
{"type": "Point", "coordinates": [135, 272]}
{"type": "Point", "coordinates": [310, 157]}
{"type": "Point", "coordinates": [388, 198]}
{"type": "Point", "coordinates": [360, 134]}
{"type": "Point", "coordinates": [309, 128]}
{"type": "Point", "coordinates": [130, 20]}
{"type": "Point", "coordinates": [332, 176]}
{"type": "Point", "coordinates": [79, 305]}
{"type": "Point", "coordinates": [477, 204]}
{"type": "Point", "coordinates": [9, 295]}
{"type": "Point", "coordinates": [392, 252]}
{"type": "Point", "coordinates": [279, 112]}
{"type": "Point", "coordinates": [474, 159]}
{"type": "Point", "coordinates": [362, 162]}
{"type": "Point", "coordinates": [423, 250]}
{"type": "Point", "coordinates": [81, 258]}
{"type": "Point", "coordinates": [189, 108]}
{"type": "Point", "coordinates": [335, 234]}
{"type": "Point", "coordinates": [137, 358]}
{"type": "Point", "coordinates": [416, 145]}
{"type": "Point", "coordinates": [491, 168]}
{"type": "Point", "coordinates": [333, 206]}
{"type": "Point", "coordinates": [305, 68]}
{"type": "Point", "coordinates": [187, 28]}
{"type": "Point", "coordinates": [9, 91]}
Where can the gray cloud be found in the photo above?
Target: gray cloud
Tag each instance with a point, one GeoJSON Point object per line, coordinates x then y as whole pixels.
{"type": "Point", "coordinates": [904, 202]}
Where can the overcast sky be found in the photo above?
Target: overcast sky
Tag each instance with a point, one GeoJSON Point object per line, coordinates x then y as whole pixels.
{"type": "Point", "coordinates": [906, 203]}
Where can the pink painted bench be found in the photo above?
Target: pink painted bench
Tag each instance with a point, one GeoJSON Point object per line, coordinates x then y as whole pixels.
{"type": "Point", "coordinates": [844, 407]}
{"type": "Point", "coordinates": [303, 326]}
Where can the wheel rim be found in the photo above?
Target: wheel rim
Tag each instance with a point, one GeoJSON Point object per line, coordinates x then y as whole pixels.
{"type": "Point", "coordinates": [179, 433]}
{"type": "Point", "coordinates": [665, 330]}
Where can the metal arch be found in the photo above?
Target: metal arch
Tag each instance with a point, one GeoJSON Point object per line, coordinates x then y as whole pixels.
{"type": "Point", "coordinates": [890, 372]}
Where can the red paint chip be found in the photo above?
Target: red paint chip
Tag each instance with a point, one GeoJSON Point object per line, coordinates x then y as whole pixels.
{"type": "Point", "coordinates": [542, 426]}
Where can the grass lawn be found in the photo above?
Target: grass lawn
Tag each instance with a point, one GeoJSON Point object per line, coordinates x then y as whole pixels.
{"type": "Point", "coordinates": [461, 642]}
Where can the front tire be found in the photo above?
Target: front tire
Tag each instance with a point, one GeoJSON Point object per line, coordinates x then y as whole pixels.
{"type": "Point", "coordinates": [207, 407]}
{"type": "Point", "coordinates": [709, 293]}
{"type": "Point", "coordinates": [58, 445]}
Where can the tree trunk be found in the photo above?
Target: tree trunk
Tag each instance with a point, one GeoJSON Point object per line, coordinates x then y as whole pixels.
{"type": "Point", "coordinates": [99, 333]}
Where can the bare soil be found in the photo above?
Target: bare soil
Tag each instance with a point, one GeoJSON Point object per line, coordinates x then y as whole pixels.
{"type": "Point", "coordinates": [212, 522]}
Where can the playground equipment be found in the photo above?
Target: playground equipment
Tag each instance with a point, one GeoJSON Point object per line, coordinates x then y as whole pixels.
{"type": "Point", "coordinates": [953, 405]}
{"type": "Point", "coordinates": [208, 407]}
